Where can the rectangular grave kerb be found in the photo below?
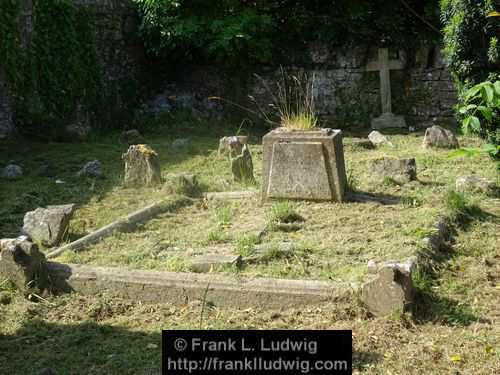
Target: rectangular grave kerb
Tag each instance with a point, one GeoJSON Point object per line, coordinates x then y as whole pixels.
{"type": "Point", "coordinates": [303, 165]}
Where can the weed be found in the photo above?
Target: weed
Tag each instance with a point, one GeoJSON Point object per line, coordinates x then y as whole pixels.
{"type": "Point", "coordinates": [352, 183]}
{"type": "Point", "coordinates": [389, 181]}
{"type": "Point", "coordinates": [459, 207]}
{"type": "Point", "coordinates": [283, 212]}
{"type": "Point", "coordinates": [224, 215]}
{"type": "Point", "coordinates": [215, 236]}
{"type": "Point", "coordinates": [244, 244]}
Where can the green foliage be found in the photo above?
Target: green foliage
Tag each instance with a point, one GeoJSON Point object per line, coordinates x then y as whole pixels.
{"type": "Point", "coordinates": [57, 72]}
{"type": "Point", "coordinates": [459, 207]}
{"type": "Point", "coordinates": [236, 32]}
{"type": "Point", "coordinates": [244, 244]}
{"type": "Point", "coordinates": [470, 41]}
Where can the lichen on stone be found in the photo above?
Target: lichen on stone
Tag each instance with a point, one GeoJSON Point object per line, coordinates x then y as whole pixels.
{"type": "Point", "coordinates": [146, 150]}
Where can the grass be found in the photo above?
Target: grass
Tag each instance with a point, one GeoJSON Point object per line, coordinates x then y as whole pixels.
{"type": "Point", "coordinates": [283, 212]}
{"type": "Point", "coordinates": [457, 310]}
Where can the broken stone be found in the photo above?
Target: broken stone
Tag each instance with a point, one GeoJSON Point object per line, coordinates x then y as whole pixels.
{"type": "Point", "coordinates": [242, 165]}
{"type": "Point", "coordinates": [12, 171]}
{"type": "Point", "coordinates": [436, 136]}
{"type": "Point", "coordinates": [131, 137]}
{"type": "Point", "coordinates": [208, 262]}
{"type": "Point", "coordinates": [48, 224]}
{"type": "Point", "coordinates": [21, 262]}
{"type": "Point", "coordinates": [387, 289]}
{"type": "Point", "coordinates": [91, 169]}
{"type": "Point", "coordinates": [77, 132]}
{"type": "Point", "coordinates": [232, 146]}
{"type": "Point", "coordinates": [142, 166]}
{"type": "Point", "coordinates": [475, 184]}
{"type": "Point", "coordinates": [303, 165]}
{"type": "Point", "coordinates": [47, 170]}
{"type": "Point", "coordinates": [377, 139]}
{"type": "Point", "coordinates": [403, 170]}
{"type": "Point", "coordinates": [180, 143]}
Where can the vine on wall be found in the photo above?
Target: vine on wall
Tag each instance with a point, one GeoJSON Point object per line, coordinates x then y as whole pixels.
{"type": "Point", "coordinates": [57, 73]}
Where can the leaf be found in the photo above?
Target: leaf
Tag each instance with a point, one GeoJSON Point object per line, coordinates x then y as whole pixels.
{"type": "Point", "coordinates": [493, 14]}
{"type": "Point", "coordinates": [489, 349]}
{"type": "Point", "coordinates": [456, 358]}
{"type": "Point", "coordinates": [497, 87]}
{"type": "Point", "coordinates": [464, 109]}
{"type": "Point", "coordinates": [489, 148]}
{"type": "Point", "coordinates": [475, 123]}
{"type": "Point", "coordinates": [486, 112]}
{"type": "Point", "coordinates": [487, 93]}
{"type": "Point", "coordinates": [473, 91]}
{"type": "Point", "coordinates": [457, 153]}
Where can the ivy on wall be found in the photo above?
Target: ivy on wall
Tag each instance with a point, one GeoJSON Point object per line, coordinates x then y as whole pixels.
{"type": "Point", "coordinates": [57, 75]}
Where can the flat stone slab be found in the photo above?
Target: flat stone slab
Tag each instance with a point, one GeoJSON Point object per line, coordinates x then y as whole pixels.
{"type": "Point", "coordinates": [303, 165]}
{"type": "Point", "coordinates": [229, 195]}
{"type": "Point", "coordinates": [174, 287]}
{"type": "Point", "coordinates": [208, 262]}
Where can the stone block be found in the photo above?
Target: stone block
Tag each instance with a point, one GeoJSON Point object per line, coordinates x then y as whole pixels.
{"type": "Point", "coordinates": [436, 136]}
{"type": "Point", "coordinates": [232, 146]}
{"type": "Point", "coordinates": [48, 224]}
{"type": "Point", "coordinates": [303, 165]}
{"type": "Point", "coordinates": [208, 262]}
{"type": "Point", "coordinates": [387, 288]}
{"type": "Point", "coordinates": [142, 166]}
{"type": "Point", "coordinates": [21, 262]}
{"type": "Point", "coordinates": [388, 120]}
{"type": "Point", "coordinates": [403, 170]}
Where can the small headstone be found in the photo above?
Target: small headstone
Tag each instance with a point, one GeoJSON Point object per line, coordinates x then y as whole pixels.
{"type": "Point", "coordinates": [21, 261]}
{"type": "Point", "coordinates": [378, 139]}
{"type": "Point", "coordinates": [180, 143]}
{"type": "Point", "coordinates": [142, 166]}
{"type": "Point", "coordinates": [48, 224]}
{"type": "Point", "coordinates": [387, 289]}
{"type": "Point", "coordinates": [436, 136]}
{"type": "Point", "coordinates": [12, 171]}
{"type": "Point", "coordinates": [475, 184]}
{"type": "Point", "coordinates": [242, 165]}
{"type": "Point", "coordinates": [91, 169]}
{"type": "Point", "coordinates": [47, 170]}
{"type": "Point", "coordinates": [77, 133]}
{"type": "Point", "coordinates": [232, 146]}
{"type": "Point", "coordinates": [403, 170]}
{"type": "Point", "coordinates": [131, 137]}
{"type": "Point", "coordinates": [209, 262]}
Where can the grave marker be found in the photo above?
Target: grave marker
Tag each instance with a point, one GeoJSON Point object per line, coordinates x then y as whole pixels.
{"type": "Point", "coordinates": [387, 119]}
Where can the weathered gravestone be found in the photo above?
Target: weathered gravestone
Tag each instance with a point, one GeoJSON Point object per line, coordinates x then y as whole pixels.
{"type": "Point", "coordinates": [232, 146]}
{"type": "Point", "coordinates": [242, 165]}
{"type": "Point", "coordinates": [142, 166]}
{"type": "Point", "coordinates": [387, 119]}
{"type": "Point", "coordinates": [303, 165]}
{"type": "Point", "coordinates": [48, 224]}
{"type": "Point", "coordinates": [436, 136]}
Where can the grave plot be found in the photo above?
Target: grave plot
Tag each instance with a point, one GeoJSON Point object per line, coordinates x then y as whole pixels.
{"type": "Point", "coordinates": [387, 219]}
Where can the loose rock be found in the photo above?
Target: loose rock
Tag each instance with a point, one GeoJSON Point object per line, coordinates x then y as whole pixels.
{"type": "Point", "coordinates": [180, 143]}
{"type": "Point", "coordinates": [436, 136]}
{"type": "Point", "coordinates": [77, 132]}
{"type": "Point", "coordinates": [48, 224]}
{"type": "Point", "coordinates": [12, 171]}
{"type": "Point", "coordinates": [403, 170]}
{"type": "Point", "coordinates": [131, 137]}
{"type": "Point", "coordinates": [47, 170]}
{"type": "Point", "coordinates": [378, 139]}
{"type": "Point", "coordinates": [91, 169]}
{"type": "Point", "coordinates": [207, 262]}
{"type": "Point", "coordinates": [142, 166]}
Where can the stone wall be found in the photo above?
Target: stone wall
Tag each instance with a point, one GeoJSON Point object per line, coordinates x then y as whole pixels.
{"type": "Point", "coordinates": [344, 93]}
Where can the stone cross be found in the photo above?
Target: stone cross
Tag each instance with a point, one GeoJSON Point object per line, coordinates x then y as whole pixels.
{"type": "Point", "coordinates": [384, 65]}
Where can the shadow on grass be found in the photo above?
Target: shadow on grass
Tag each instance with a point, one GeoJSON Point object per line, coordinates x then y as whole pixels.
{"type": "Point", "coordinates": [384, 199]}
{"type": "Point", "coordinates": [87, 348]}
